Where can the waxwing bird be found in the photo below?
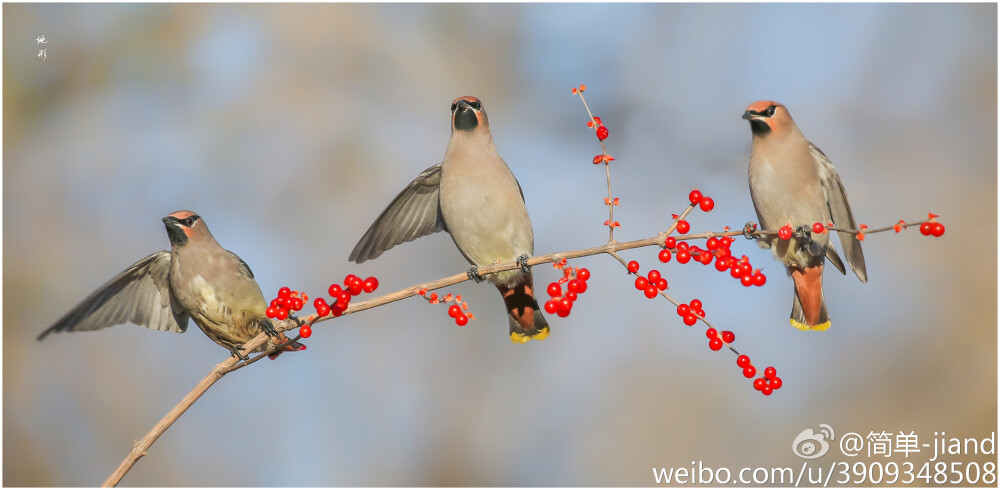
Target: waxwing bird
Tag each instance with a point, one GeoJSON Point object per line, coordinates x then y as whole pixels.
{"type": "Point", "coordinates": [793, 182]}
{"type": "Point", "coordinates": [196, 279]}
{"type": "Point", "coordinates": [472, 195]}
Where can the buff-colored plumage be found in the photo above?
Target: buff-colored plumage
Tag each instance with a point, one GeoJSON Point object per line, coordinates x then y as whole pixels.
{"type": "Point", "coordinates": [472, 195]}
{"type": "Point", "coordinates": [793, 182]}
{"type": "Point", "coordinates": [196, 279]}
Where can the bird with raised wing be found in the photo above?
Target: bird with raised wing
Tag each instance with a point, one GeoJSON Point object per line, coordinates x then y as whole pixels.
{"type": "Point", "coordinates": [473, 195]}
{"type": "Point", "coordinates": [196, 279]}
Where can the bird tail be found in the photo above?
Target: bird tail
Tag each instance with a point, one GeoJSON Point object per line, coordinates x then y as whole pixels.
{"type": "Point", "coordinates": [809, 309]}
{"type": "Point", "coordinates": [523, 314]}
{"type": "Point", "coordinates": [290, 347]}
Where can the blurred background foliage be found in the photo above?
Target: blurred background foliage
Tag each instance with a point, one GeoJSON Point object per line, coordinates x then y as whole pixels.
{"type": "Point", "coordinates": [289, 127]}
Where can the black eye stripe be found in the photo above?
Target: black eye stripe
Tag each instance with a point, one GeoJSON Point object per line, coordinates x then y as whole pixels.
{"type": "Point", "coordinates": [770, 111]}
{"type": "Point", "coordinates": [453, 106]}
{"type": "Point", "coordinates": [476, 105]}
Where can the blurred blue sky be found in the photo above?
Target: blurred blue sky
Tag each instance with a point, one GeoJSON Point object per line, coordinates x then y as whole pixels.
{"type": "Point", "coordinates": [289, 127]}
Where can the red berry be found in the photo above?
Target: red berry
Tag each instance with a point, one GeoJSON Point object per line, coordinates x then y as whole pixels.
{"type": "Point", "coordinates": [562, 313]}
{"type": "Point", "coordinates": [746, 280]}
{"type": "Point", "coordinates": [602, 132]}
{"type": "Point", "coordinates": [583, 274]}
{"type": "Point", "coordinates": [759, 384]}
{"type": "Point", "coordinates": [704, 257]}
{"type": "Point", "coordinates": [711, 333]}
{"type": "Point", "coordinates": [274, 303]}
{"type": "Point", "coordinates": [749, 371]}
{"type": "Point", "coordinates": [683, 256]}
{"type": "Point", "coordinates": [319, 302]}
{"type": "Point", "coordinates": [633, 267]}
{"type": "Point", "coordinates": [937, 229]}
{"type": "Point", "coordinates": [785, 232]}
{"type": "Point", "coordinates": [598, 159]}
{"type": "Point", "coordinates": [683, 247]}
{"type": "Point", "coordinates": [284, 292]}
{"type": "Point", "coordinates": [712, 243]}
{"type": "Point", "coordinates": [767, 390]}
{"type": "Point", "coordinates": [743, 361]}
{"type": "Point", "coordinates": [343, 300]}
{"type": "Point", "coordinates": [564, 305]}
{"type": "Point", "coordinates": [280, 302]}
{"type": "Point", "coordinates": [653, 275]}
{"type": "Point", "coordinates": [925, 228]}
{"type": "Point", "coordinates": [695, 196]}
{"type": "Point", "coordinates": [554, 290]}
{"type": "Point", "coordinates": [683, 309]}
{"type": "Point", "coordinates": [728, 337]}
{"type": "Point", "coordinates": [583, 287]}
{"type": "Point", "coordinates": [721, 264]}
{"type": "Point", "coordinates": [571, 296]}
{"type": "Point", "coordinates": [336, 310]}
{"type": "Point", "coordinates": [661, 284]}
{"type": "Point", "coordinates": [271, 311]}
{"type": "Point", "coordinates": [641, 283]}
{"type": "Point", "coordinates": [551, 306]}
{"type": "Point", "coordinates": [370, 284]}
{"type": "Point", "coordinates": [323, 310]}
{"type": "Point", "coordinates": [651, 292]}
{"type": "Point", "coordinates": [461, 320]}
{"type": "Point", "coordinates": [670, 242]}
{"type": "Point", "coordinates": [683, 227]}
{"type": "Point", "coordinates": [707, 204]}
{"type": "Point", "coordinates": [574, 285]}
{"type": "Point", "coordinates": [818, 227]}
{"type": "Point", "coordinates": [297, 304]}
{"type": "Point", "coordinates": [690, 320]}
{"type": "Point", "coordinates": [774, 382]}
{"type": "Point", "coordinates": [736, 272]}
{"type": "Point", "coordinates": [715, 344]}
{"type": "Point", "coordinates": [454, 310]}
{"type": "Point", "coordinates": [746, 268]}
{"type": "Point", "coordinates": [350, 278]}
{"type": "Point", "coordinates": [281, 313]}
{"type": "Point", "coordinates": [665, 255]}
{"type": "Point", "coordinates": [699, 312]}
{"type": "Point", "coordinates": [356, 288]}
{"type": "Point", "coordinates": [759, 279]}
{"type": "Point", "coordinates": [695, 304]}
{"type": "Point", "coordinates": [305, 331]}
{"type": "Point", "coordinates": [770, 372]}
{"type": "Point", "coordinates": [334, 290]}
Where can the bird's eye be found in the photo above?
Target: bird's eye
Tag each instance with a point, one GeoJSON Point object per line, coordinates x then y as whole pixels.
{"type": "Point", "coordinates": [476, 105]}
{"type": "Point", "coordinates": [769, 111]}
{"type": "Point", "coordinates": [190, 221]}
{"type": "Point", "coordinates": [453, 106]}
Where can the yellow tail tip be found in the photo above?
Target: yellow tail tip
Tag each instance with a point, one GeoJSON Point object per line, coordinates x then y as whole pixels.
{"type": "Point", "coordinates": [802, 326]}
{"type": "Point", "coordinates": [520, 338]}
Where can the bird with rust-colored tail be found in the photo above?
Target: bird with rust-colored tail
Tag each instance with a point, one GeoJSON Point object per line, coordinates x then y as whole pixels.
{"type": "Point", "coordinates": [472, 195]}
{"type": "Point", "coordinates": [196, 279]}
{"type": "Point", "coordinates": [793, 183]}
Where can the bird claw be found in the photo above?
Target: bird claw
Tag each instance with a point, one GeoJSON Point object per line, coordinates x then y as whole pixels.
{"type": "Point", "coordinates": [269, 329]}
{"type": "Point", "coordinates": [236, 352]}
{"type": "Point", "coordinates": [473, 273]}
{"type": "Point", "coordinates": [803, 232]}
{"type": "Point", "coordinates": [748, 230]}
{"type": "Point", "coordinates": [523, 262]}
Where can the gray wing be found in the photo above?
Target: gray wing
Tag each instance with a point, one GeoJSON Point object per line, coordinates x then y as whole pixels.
{"type": "Point", "coordinates": [840, 210]}
{"type": "Point", "coordinates": [139, 295]}
{"type": "Point", "coordinates": [415, 212]}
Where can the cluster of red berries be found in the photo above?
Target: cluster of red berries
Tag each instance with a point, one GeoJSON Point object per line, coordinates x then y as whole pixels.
{"type": "Point", "coordinates": [719, 249]}
{"type": "Point", "coordinates": [458, 311]}
{"type": "Point", "coordinates": [341, 295]}
{"type": "Point", "coordinates": [692, 312]}
{"type": "Point", "coordinates": [715, 340]}
{"type": "Point", "coordinates": [286, 302]}
{"type": "Point", "coordinates": [698, 199]}
{"type": "Point", "coordinates": [576, 284]}
{"type": "Point", "coordinates": [931, 228]}
{"type": "Point", "coordinates": [765, 385]}
{"type": "Point", "coordinates": [651, 284]}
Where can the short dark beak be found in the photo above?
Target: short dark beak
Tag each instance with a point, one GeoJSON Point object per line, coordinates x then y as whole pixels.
{"type": "Point", "coordinates": [748, 115]}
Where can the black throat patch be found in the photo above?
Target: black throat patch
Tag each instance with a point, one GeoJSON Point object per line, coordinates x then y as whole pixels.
{"type": "Point", "coordinates": [759, 127]}
{"type": "Point", "coordinates": [465, 119]}
{"type": "Point", "coordinates": [177, 236]}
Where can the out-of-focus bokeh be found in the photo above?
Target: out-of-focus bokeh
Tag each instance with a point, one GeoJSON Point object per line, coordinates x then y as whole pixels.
{"type": "Point", "coordinates": [289, 128]}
